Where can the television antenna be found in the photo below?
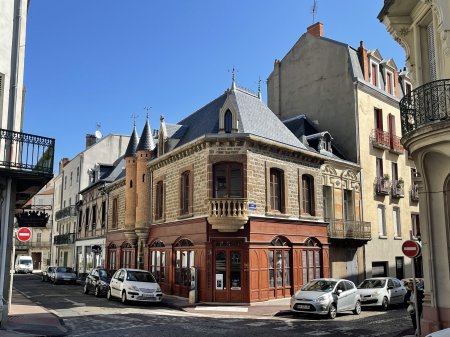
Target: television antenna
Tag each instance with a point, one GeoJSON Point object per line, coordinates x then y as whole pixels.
{"type": "Point", "coordinates": [314, 10]}
{"type": "Point", "coordinates": [97, 133]}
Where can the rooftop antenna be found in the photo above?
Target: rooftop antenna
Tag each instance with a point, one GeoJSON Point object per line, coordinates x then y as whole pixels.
{"type": "Point", "coordinates": [98, 134]}
{"type": "Point", "coordinates": [314, 10]}
{"type": "Point", "coordinates": [134, 116]}
{"type": "Point", "coordinates": [259, 87]}
{"type": "Point", "coordinates": [233, 75]}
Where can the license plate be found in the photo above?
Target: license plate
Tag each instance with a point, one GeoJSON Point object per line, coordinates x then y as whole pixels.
{"type": "Point", "coordinates": [149, 295]}
{"type": "Point", "coordinates": [301, 306]}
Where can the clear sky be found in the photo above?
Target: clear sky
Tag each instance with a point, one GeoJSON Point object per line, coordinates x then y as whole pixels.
{"type": "Point", "coordinates": [100, 61]}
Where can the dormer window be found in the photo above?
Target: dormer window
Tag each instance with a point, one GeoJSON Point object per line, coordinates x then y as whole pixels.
{"type": "Point", "coordinates": [374, 73]}
{"type": "Point", "coordinates": [389, 82]}
{"type": "Point", "coordinates": [228, 121]}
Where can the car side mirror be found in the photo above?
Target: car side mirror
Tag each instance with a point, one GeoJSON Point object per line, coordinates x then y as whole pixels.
{"type": "Point", "coordinates": [338, 292]}
{"type": "Point", "coordinates": [120, 279]}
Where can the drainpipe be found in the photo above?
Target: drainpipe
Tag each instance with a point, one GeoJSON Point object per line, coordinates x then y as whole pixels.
{"type": "Point", "coordinates": [4, 222]}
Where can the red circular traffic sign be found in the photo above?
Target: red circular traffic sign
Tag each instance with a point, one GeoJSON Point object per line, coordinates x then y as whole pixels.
{"type": "Point", "coordinates": [411, 248]}
{"type": "Point", "coordinates": [24, 234]}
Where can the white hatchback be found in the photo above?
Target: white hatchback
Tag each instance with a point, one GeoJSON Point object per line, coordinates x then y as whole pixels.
{"type": "Point", "coordinates": [382, 292]}
{"type": "Point", "coordinates": [134, 285]}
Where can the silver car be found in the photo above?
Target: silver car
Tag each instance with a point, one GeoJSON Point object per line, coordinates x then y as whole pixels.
{"type": "Point", "coordinates": [327, 296]}
{"type": "Point", "coordinates": [63, 275]}
{"type": "Point", "coordinates": [382, 292]}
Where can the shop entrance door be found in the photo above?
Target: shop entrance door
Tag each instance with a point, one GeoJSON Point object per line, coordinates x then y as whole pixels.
{"type": "Point", "coordinates": [228, 275]}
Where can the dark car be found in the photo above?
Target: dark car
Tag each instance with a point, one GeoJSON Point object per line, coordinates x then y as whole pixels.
{"type": "Point", "coordinates": [97, 281]}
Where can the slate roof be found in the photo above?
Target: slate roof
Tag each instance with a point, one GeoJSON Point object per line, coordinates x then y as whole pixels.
{"type": "Point", "coordinates": [145, 142]}
{"type": "Point", "coordinates": [254, 118]}
{"type": "Point", "coordinates": [132, 145]}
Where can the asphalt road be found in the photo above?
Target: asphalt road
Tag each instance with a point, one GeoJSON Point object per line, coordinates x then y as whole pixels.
{"type": "Point", "coordinates": [86, 315]}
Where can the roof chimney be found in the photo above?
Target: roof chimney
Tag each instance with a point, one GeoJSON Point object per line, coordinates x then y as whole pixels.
{"type": "Point", "coordinates": [90, 140]}
{"type": "Point", "coordinates": [316, 29]}
{"type": "Point", "coordinates": [63, 162]}
{"type": "Point", "coordinates": [363, 60]}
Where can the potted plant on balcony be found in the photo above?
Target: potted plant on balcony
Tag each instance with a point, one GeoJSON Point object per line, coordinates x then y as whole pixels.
{"type": "Point", "coordinates": [400, 183]}
{"type": "Point", "coordinates": [386, 177]}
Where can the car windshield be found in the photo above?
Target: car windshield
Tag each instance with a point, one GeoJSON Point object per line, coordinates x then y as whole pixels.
{"type": "Point", "coordinates": [63, 270]}
{"type": "Point", "coordinates": [26, 262]}
{"type": "Point", "coordinates": [140, 276]}
{"type": "Point", "coordinates": [319, 285]}
{"type": "Point", "coordinates": [104, 273]}
{"type": "Point", "coordinates": [369, 284]}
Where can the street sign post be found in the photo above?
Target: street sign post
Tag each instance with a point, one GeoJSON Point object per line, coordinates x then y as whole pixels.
{"type": "Point", "coordinates": [411, 248]}
{"type": "Point", "coordinates": [24, 234]}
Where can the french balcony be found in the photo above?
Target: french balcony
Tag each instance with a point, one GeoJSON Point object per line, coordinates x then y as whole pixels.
{"type": "Point", "coordinates": [228, 214]}
{"type": "Point", "coordinates": [425, 105]}
{"type": "Point", "coordinates": [28, 159]}
{"type": "Point", "coordinates": [349, 229]}
{"type": "Point", "coordinates": [398, 189]}
{"type": "Point", "coordinates": [380, 139]}
{"type": "Point", "coordinates": [382, 186]}
{"type": "Point", "coordinates": [65, 213]}
{"type": "Point", "coordinates": [20, 245]}
{"type": "Point", "coordinates": [414, 193]}
{"type": "Point", "coordinates": [396, 146]}
{"type": "Point", "coordinates": [64, 239]}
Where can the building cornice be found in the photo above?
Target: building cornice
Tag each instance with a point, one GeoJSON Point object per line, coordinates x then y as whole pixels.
{"type": "Point", "coordinates": [379, 95]}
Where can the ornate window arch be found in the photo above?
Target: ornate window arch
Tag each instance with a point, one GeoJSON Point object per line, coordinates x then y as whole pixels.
{"type": "Point", "coordinates": [184, 260]}
{"type": "Point", "coordinates": [280, 271]}
{"type": "Point", "coordinates": [158, 260]}
{"type": "Point", "coordinates": [127, 255]}
{"type": "Point", "coordinates": [112, 256]}
{"type": "Point", "coordinates": [311, 259]}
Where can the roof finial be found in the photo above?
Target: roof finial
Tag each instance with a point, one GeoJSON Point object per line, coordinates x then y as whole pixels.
{"type": "Point", "coordinates": [134, 116]}
{"type": "Point", "coordinates": [147, 108]}
{"type": "Point", "coordinates": [259, 87]}
{"type": "Point", "coordinates": [233, 75]}
{"type": "Point", "coordinates": [314, 10]}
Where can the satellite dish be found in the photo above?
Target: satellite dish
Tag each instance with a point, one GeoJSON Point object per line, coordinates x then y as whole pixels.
{"type": "Point", "coordinates": [98, 134]}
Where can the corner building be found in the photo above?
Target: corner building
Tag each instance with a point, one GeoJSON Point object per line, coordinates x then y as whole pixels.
{"type": "Point", "coordinates": [230, 191]}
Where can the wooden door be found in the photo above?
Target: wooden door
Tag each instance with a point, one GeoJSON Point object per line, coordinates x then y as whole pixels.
{"type": "Point", "coordinates": [228, 275]}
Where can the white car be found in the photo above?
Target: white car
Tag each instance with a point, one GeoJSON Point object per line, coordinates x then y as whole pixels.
{"type": "Point", "coordinates": [134, 285]}
{"type": "Point", "coordinates": [382, 292]}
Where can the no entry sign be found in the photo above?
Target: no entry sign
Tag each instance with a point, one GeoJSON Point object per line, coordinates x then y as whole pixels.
{"type": "Point", "coordinates": [411, 248]}
{"type": "Point", "coordinates": [24, 234]}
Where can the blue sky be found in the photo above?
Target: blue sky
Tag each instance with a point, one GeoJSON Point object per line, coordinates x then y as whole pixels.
{"type": "Point", "coordinates": [90, 62]}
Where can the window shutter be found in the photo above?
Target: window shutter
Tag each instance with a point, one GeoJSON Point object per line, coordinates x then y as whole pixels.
{"type": "Point", "coordinates": [431, 52]}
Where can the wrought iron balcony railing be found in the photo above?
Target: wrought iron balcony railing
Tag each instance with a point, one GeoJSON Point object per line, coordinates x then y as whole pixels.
{"type": "Point", "coordinates": [349, 229]}
{"type": "Point", "coordinates": [25, 152]}
{"type": "Point", "coordinates": [424, 105]}
{"type": "Point", "coordinates": [380, 139]}
{"type": "Point", "coordinates": [398, 189]}
{"type": "Point", "coordinates": [66, 212]}
{"type": "Point", "coordinates": [396, 146]}
{"type": "Point", "coordinates": [382, 186]}
{"type": "Point", "coordinates": [228, 214]}
{"type": "Point", "coordinates": [64, 239]}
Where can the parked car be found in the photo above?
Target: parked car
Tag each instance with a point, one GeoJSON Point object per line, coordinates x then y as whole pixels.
{"type": "Point", "coordinates": [63, 275]}
{"type": "Point", "coordinates": [24, 264]}
{"type": "Point", "coordinates": [46, 274]}
{"type": "Point", "coordinates": [135, 285]}
{"type": "Point", "coordinates": [381, 291]}
{"type": "Point", "coordinates": [327, 296]}
{"type": "Point", "coordinates": [440, 333]}
{"type": "Point", "coordinates": [97, 281]}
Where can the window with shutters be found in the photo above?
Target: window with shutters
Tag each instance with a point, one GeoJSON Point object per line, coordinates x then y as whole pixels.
{"type": "Point", "coordinates": [308, 206]}
{"type": "Point", "coordinates": [431, 52]}
{"type": "Point", "coordinates": [374, 73]}
{"type": "Point", "coordinates": [389, 82]}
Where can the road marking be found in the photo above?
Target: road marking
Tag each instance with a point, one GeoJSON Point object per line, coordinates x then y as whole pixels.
{"type": "Point", "coordinates": [78, 304]}
{"type": "Point", "coordinates": [235, 309]}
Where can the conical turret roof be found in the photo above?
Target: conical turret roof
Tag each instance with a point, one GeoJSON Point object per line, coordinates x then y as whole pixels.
{"type": "Point", "coordinates": [146, 141]}
{"type": "Point", "coordinates": [132, 145]}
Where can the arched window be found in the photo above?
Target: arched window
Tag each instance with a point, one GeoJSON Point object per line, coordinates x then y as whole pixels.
{"type": "Point", "coordinates": [127, 255]}
{"type": "Point", "coordinates": [185, 193]}
{"type": "Point", "coordinates": [184, 260]}
{"type": "Point", "coordinates": [308, 194]}
{"type": "Point", "coordinates": [276, 190]}
{"type": "Point", "coordinates": [159, 202]}
{"type": "Point", "coordinates": [228, 121]}
{"type": "Point", "coordinates": [112, 256]}
{"type": "Point", "coordinates": [158, 261]}
{"type": "Point", "coordinates": [311, 260]}
{"type": "Point", "coordinates": [279, 263]}
{"type": "Point", "coordinates": [228, 180]}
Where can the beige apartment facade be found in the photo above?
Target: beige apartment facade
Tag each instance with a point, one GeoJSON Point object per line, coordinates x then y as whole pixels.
{"type": "Point", "coordinates": [423, 30]}
{"type": "Point", "coordinates": [353, 93]}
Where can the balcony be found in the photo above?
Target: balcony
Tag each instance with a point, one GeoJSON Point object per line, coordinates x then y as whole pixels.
{"type": "Point", "coordinates": [427, 104]}
{"type": "Point", "coordinates": [228, 214]}
{"type": "Point", "coordinates": [396, 146]}
{"type": "Point", "coordinates": [31, 244]}
{"type": "Point", "coordinates": [414, 193]}
{"type": "Point", "coordinates": [380, 139]}
{"type": "Point", "coordinates": [382, 186]}
{"type": "Point", "coordinates": [398, 189]}
{"type": "Point", "coordinates": [66, 212]}
{"type": "Point", "coordinates": [28, 159]}
{"type": "Point", "coordinates": [64, 239]}
{"type": "Point", "coordinates": [349, 229]}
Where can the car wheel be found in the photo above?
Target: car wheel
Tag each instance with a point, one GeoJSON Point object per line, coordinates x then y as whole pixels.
{"type": "Point", "coordinates": [124, 297]}
{"type": "Point", "coordinates": [384, 303]}
{"type": "Point", "coordinates": [96, 292]}
{"type": "Point", "coordinates": [108, 295]}
{"type": "Point", "coordinates": [85, 289]}
{"type": "Point", "coordinates": [332, 311]}
{"type": "Point", "coordinates": [357, 309]}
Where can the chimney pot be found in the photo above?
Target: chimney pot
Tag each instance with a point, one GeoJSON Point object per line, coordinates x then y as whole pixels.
{"type": "Point", "coordinates": [316, 29]}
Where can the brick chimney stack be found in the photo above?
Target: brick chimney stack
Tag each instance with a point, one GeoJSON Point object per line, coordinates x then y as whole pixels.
{"type": "Point", "coordinates": [90, 140]}
{"type": "Point", "coordinates": [316, 29]}
{"type": "Point", "coordinates": [363, 60]}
